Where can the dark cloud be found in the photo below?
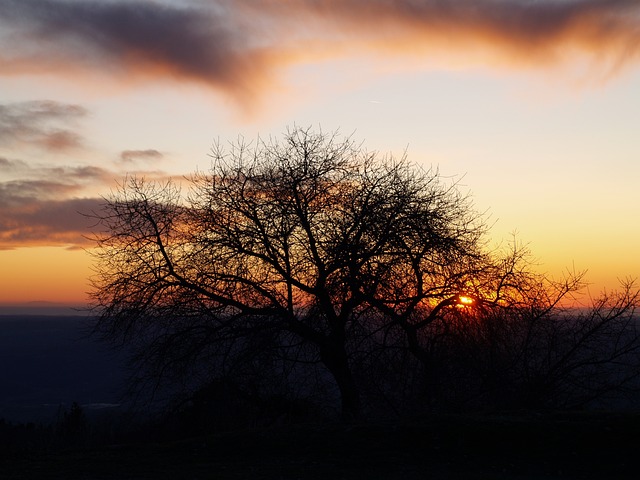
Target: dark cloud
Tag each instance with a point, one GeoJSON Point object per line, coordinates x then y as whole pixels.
{"type": "Point", "coordinates": [235, 45]}
{"type": "Point", "coordinates": [134, 37]}
{"type": "Point", "coordinates": [39, 123]}
{"type": "Point", "coordinates": [131, 156]}
{"type": "Point", "coordinates": [542, 32]}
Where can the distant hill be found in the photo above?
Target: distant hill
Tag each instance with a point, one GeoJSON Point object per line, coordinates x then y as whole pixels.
{"type": "Point", "coordinates": [43, 308]}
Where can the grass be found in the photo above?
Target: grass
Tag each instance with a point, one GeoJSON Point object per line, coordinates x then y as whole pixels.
{"type": "Point", "coordinates": [519, 446]}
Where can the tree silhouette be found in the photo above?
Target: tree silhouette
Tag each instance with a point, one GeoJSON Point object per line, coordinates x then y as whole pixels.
{"type": "Point", "coordinates": [305, 245]}
{"type": "Point", "coordinates": [312, 251]}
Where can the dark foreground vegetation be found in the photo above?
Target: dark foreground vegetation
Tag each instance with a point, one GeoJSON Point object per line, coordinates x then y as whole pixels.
{"type": "Point", "coordinates": [514, 446]}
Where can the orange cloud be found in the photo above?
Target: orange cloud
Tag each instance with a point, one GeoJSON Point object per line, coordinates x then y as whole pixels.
{"type": "Point", "coordinates": [518, 31]}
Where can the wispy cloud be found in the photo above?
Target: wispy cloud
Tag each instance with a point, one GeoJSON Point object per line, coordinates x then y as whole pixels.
{"type": "Point", "coordinates": [133, 38]}
{"type": "Point", "coordinates": [237, 46]}
{"type": "Point", "coordinates": [133, 156]}
{"type": "Point", "coordinates": [44, 124]}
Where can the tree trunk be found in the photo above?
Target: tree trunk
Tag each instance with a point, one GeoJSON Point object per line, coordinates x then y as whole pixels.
{"type": "Point", "coordinates": [335, 359]}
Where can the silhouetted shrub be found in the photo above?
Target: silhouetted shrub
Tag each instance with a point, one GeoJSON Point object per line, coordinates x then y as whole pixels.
{"type": "Point", "coordinates": [73, 427]}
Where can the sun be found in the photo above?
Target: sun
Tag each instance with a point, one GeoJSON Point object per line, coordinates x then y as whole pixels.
{"type": "Point", "coordinates": [464, 301]}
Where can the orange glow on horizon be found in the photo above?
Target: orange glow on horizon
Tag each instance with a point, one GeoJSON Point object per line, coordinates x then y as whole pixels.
{"type": "Point", "coordinates": [51, 274]}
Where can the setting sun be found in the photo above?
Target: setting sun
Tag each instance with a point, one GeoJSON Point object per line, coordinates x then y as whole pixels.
{"type": "Point", "coordinates": [464, 301]}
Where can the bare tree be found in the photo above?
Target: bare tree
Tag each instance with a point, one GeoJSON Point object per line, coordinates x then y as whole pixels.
{"type": "Point", "coordinates": [296, 261]}
{"type": "Point", "coordinates": [304, 247]}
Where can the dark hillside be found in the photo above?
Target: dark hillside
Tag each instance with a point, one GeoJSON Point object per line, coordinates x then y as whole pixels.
{"type": "Point", "coordinates": [552, 446]}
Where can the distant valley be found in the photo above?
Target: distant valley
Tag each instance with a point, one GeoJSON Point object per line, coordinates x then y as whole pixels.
{"type": "Point", "coordinates": [49, 362]}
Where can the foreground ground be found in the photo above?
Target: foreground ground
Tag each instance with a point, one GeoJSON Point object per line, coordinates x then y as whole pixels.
{"type": "Point", "coordinates": [519, 446]}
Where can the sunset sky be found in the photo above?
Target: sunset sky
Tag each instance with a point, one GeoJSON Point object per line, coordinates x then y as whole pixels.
{"type": "Point", "coordinates": [533, 106]}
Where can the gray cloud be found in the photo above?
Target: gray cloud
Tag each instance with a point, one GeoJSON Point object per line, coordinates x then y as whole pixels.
{"type": "Point", "coordinates": [131, 156]}
{"type": "Point", "coordinates": [17, 192]}
{"type": "Point", "coordinates": [39, 123]}
{"type": "Point", "coordinates": [39, 203]}
{"type": "Point", "coordinates": [68, 178]}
